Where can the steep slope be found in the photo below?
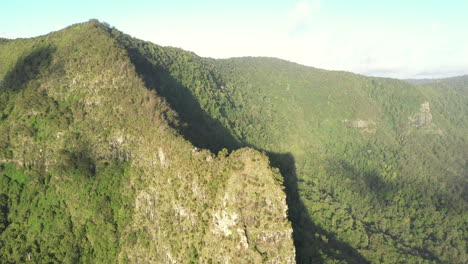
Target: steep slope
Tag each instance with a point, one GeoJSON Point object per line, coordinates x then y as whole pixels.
{"type": "Point", "coordinates": [375, 168]}
{"type": "Point", "coordinates": [91, 170]}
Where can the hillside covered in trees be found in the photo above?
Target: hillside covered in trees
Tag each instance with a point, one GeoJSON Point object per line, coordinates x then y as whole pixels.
{"type": "Point", "coordinates": [91, 170]}
{"type": "Point", "coordinates": [375, 168]}
{"type": "Point", "coordinates": [95, 167]}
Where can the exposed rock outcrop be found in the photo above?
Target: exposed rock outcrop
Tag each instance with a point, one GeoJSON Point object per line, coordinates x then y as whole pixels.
{"type": "Point", "coordinates": [364, 125]}
{"type": "Point", "coordinates": [424, 118]}
{"type": "Point", "coordinates": [250, 215]}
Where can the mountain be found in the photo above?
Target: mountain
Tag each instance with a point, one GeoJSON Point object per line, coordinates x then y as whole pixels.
{"type": "Point", "coordinates": [92, 170]}
{"type": "Point", "coordinates": [375, 169]}
{"type": "Point", "coordinates": [459, 83]}
{"type": "Point", "coordinates": [102, 139]}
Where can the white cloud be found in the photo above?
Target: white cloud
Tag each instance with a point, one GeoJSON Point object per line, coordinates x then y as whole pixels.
{"type": "Point", "coordinates": [301, 15]}
{"type": "Point", "coordinates": [6, 35]}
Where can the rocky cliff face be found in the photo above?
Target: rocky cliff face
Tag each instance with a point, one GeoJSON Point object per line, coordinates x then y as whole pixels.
{"type": "Point", "coordinates": [230, 210]}
{"type": "Point", "coordinates": [424, 118]}
{"type": "Point", "coordinates": [244, 214]}
{"type": "Point", "coordinates": [181, 204]}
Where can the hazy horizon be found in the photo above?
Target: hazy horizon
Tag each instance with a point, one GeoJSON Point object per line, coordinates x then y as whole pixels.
{"type": "Point", "coordinates": [405, 40]}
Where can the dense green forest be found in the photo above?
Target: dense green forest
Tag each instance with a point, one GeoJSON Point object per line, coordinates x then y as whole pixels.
{"type": "Point", "coordinates": [93, 167]}
{"type": "Point", "coordinates": [91, 170]}
{"type": "Point", "coordinates": [375, 169]}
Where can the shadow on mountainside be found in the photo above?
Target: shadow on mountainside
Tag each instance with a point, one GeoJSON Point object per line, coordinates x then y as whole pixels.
{"type": "Point", "coordinates": [311, 241]}
{"type": "Point", "coordinates": [27, 68]}
{"type": "Point", "coordinates": [23, 74]}
{"type": "Point", "coordinates": [197, 126]}
{"type": "Point", "coordinates": [205, 132]}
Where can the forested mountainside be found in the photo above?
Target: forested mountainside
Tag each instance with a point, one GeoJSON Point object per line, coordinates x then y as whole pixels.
{"type": "Point", "coordinates": [94, 170]}
{"type": "Point", "coordinates": [102, 160]}
{"type": "Point", "coordinates": [375, 169]}
{"type": "Point", "coordinates": [457, 82]}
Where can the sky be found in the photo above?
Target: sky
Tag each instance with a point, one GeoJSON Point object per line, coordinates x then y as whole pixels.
{"type": "Point", "coordinates": [386, 38]}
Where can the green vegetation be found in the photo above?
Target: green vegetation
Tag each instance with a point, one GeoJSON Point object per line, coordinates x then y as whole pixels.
{"type": "Point", "coordinates": [98, 164]}
{"type": "Point", "coordinates": [92, 172]}
{"type": "Point", "coordinates": [375, 169]}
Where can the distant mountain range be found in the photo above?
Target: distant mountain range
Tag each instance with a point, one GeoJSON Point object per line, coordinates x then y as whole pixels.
{"type": "Point", "coordinates": [461, 81]}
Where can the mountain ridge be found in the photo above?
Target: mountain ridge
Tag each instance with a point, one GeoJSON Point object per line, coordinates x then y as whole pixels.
{"type": "Point", "coordinates": [374, 168]}
{"type": "Point", "coordinates": [101, 175]}
{"type": "Point", "coordinates": [366, 131]}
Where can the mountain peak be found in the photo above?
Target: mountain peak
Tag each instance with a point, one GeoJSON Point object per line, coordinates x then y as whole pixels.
{"type": "Point", "coordinates": [83, 136]}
